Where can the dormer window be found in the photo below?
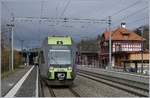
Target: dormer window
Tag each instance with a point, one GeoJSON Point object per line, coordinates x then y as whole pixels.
{"type": "Point", "coordinates": [125, 35]}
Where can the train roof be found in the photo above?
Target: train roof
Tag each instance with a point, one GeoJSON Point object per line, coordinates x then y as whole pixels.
{"type": "Point", "coordinates": [59, 40]}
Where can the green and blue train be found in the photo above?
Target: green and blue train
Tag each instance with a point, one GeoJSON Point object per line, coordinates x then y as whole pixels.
{"type": "Point", "coordinates": [57, 60]}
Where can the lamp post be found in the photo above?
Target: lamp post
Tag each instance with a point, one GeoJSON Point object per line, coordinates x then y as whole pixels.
{"type": "Point", "coordinates": [109, 23]}
{"type": "Point", "coordinates": [11, 27]}
{"type": "Point", "coordinates": [141, 29]}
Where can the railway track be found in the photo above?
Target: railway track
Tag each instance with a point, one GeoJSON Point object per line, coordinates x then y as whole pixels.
{"type": "Point", "coordinates": [114, 83]}
{"type": "Point", "coordinates": [53, 93]}
{"type": "Point", "coordinates": [74, 92]}
{"type": "Point", "coordinates": [59, 91]}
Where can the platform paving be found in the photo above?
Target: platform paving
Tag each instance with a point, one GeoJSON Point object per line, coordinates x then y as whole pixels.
{"type": "Point", "coordinates": [12, 78]}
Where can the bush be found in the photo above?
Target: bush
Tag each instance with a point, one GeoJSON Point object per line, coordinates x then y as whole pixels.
{"type": "Point", "coordinates": [5, 59]}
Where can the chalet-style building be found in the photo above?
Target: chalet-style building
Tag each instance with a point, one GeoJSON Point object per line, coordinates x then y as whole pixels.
{"type": "Point", "coordinates": [125, 44]}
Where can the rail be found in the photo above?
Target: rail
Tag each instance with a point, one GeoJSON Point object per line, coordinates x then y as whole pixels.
{"type": "Point", "coordinates": [139, 89]}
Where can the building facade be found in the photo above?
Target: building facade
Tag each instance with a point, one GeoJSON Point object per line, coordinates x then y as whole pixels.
{"type": "Point", "coordinates": [88, 58]}
{"type": "Point", "coordinates": [124, 43]}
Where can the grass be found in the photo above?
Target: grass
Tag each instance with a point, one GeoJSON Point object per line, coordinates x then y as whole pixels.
{"type": "Point", "coordinates": [5, 72]}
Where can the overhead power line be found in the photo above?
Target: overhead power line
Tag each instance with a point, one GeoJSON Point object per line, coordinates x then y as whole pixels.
{"type": "Point", "coordinates": [121, 10]}
{"type": "Point", "coordinates": [53, 18]}
{"type": "Point", "coordinates": [41, 15]}
{"type": "Point", "coordinates": [57, 9]}
{"type": "Point", "coordinates": [133, 14]}
{"type": "Point", "coordinates": [62, 20]}
{"type": "Point", "coordinates": [65, 8]}
{"type": "Point", "coordinates": [11, 13]}
{"type": "Point", "coordinates": [42, 8]}
{"type": "Point", "coordinates": [138, 20]}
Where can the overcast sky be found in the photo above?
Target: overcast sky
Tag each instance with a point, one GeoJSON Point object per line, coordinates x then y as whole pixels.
{"type": "Point", "coordinates": [84, 17]}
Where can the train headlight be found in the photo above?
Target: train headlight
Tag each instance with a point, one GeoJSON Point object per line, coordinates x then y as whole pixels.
{"type": "Point", "coordinates": [70, 68]}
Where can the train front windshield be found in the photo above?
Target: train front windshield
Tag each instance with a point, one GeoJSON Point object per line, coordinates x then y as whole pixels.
{"type": "Point", "coordinates": [59, 57]}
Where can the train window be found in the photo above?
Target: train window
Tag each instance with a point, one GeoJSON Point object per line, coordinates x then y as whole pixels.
{"type": "Point", "coordinates": [57, 57]}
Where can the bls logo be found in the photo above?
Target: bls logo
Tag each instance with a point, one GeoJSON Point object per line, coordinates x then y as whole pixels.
{"type": "Point", "coordinates": [60, 42]}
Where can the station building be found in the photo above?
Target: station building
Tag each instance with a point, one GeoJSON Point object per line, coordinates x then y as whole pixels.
{"type": "Point", "coordinates": [126, 49]}
{"type": "Point", "coordinates": [88, 58]}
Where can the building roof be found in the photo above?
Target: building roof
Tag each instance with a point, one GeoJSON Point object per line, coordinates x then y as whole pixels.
{"type": "Point", "coordinates": [106, 35]}
{"type": "Point", "coordinates": [122, 34]}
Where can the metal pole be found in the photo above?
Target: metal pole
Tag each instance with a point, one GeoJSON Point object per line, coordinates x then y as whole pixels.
{"type": "Point", "coordinates": [12, 53]}
{"type": "Point", "coordinates": [9, 48]}
{"type": "Point", "coordinates": [142, 51]}
{"type": "Point", "coordinates": [109, 23]}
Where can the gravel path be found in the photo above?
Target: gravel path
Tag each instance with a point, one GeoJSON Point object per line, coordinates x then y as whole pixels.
{"type": "Point", "coordinates": [90, 88]}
